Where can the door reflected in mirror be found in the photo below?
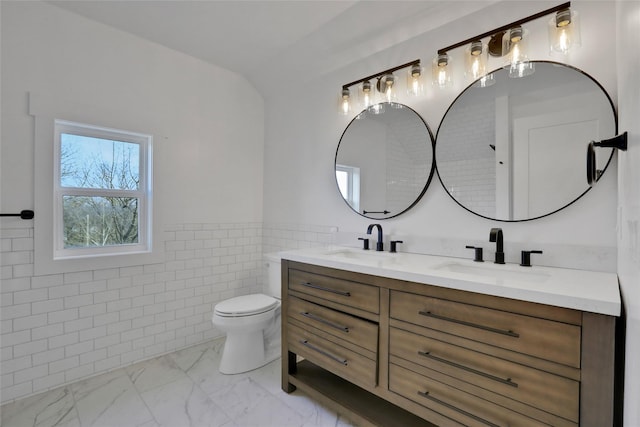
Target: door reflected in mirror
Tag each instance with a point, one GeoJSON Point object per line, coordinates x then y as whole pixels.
{"type": "Point", "coordinates": [514, 151]}
{"type": "Point", "coordinates": [384, 161]}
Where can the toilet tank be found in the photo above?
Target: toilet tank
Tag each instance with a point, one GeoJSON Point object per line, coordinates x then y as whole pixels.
{"type": "Point", "coordinates": [272, 287]}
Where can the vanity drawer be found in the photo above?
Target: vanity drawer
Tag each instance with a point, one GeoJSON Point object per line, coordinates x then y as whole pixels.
{"type": "Point", "coordinates": [331, 356]}
{"type": "Point", "coordinates": [542, 390]}
{"type": "Point", "coordinates": [348, 293]}
{"type": "Point", "coordinates": [546, 339]}
{"type": "Point", "coordinates": [452, 402]}
{"type": "Point", "coordinates": [352, 329]}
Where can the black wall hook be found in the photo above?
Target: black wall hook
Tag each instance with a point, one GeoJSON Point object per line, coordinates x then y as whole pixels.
{"type": "Point", "coordinates": [26, 214]}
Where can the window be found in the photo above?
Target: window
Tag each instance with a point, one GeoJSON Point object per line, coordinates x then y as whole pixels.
{"type": "Point", "coordinates": [348, 178]}
{"type": "Point", "coordinates": [102, 191]}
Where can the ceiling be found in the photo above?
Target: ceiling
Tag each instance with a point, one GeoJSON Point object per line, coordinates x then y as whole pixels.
{"type": "Point", "coordinates": [275, 43]}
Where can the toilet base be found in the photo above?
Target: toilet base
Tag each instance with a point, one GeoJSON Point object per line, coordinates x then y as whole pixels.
{"type": "Point", "coordinates": [242, 352]}
{"type": "Point", "coordinates": [246, 351]}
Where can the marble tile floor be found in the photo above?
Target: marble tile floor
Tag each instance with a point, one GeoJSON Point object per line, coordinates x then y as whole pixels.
{"type": "Point", "coordinates": [181, 389]}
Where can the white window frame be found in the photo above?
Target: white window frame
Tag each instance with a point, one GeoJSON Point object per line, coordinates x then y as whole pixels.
{"type": "Point", "coordinates": [142, 194]}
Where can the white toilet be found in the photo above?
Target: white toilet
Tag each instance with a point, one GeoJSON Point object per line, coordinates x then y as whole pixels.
{"type": "Point", "coordinates": [252, 325]}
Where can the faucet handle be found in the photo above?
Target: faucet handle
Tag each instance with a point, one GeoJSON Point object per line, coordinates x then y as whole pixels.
{"type": "Point", "coordinates": [477, 254]}
{"type": "Point", "coordinates": [525, 257]}
{"type": "Point", "coordinates": [365, 243]}
{"type": "Point", "coordinates": [393, 245]}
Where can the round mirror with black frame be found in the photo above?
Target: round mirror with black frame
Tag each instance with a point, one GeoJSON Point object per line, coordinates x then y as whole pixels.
{"type": "Point", "coordinates": [384, 161]}
{"type": "Point", "coordinates": [514, 151]}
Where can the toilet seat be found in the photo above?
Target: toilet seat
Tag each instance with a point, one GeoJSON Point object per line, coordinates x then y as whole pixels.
{"type": "Point", "coordinates": [245, 305]}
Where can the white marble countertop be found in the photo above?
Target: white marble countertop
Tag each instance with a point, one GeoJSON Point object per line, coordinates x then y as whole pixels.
{"type": "Point", "coordinates": [590, 291]}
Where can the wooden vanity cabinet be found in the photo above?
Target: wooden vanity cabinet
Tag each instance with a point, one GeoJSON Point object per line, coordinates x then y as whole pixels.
{"type": "Point", "coordinates": [388, 352]}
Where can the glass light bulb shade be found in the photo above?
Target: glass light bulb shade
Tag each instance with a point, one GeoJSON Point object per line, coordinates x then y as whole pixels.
{"type": "Point", "coordinates": [415, 80]}
{"type": "Point", "coordinates": [564, 32]}
{"type": "Point", "coordinates": [517, 61]}
{"type": "Point", "coordinates": [485, 81]}
{"type": "Point", "coordinates": [475, 61]}
{"type": "Point", "coordinates": [441, 71]}
{"type": "Point", "coordinates": [376, 108]}
{"type": "Point", "coordinates": [388, 88]}
{"type": "Point", "coordinates": [345, 102]}
{"type": "Point", "coordinates": [367, 94]}
{"type": "Point", "coordinates": [518, 46]}
{"type": "Point", "coordinates": [521, 69]}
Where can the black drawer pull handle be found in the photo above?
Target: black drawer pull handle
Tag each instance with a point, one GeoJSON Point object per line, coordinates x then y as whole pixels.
{"type": "Point", "coordinates": [468, 369]}
{"type": "Point", "coordinates": [324, 321]}
{"type": "Point", "coordinates": [450, 406]}
{"type": "Point", "coordinates": [473, 325]}
{"type": "Point", "coordinates": [321, 288]}
{"type": "Point", "coordinates": [323, 352]}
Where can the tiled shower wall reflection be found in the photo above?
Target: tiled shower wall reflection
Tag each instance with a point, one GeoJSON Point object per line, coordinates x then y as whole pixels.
{"type": "Point", "coordinates": [59, 328]}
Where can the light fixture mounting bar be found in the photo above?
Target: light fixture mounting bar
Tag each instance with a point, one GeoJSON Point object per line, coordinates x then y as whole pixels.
{"type": "Point", "coordinates": [506, 27]}
{"type": "Point", "coordinates": [382, 73]}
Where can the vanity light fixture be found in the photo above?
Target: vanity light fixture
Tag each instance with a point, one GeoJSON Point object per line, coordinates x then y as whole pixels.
{"type": "Point", "coordinates": [518, 58]}
{"type": "Point", "coordinates": [367, 94]}
{"type": "Point", "coordinates": [476, 60]}
{"type": "Point", "coordinates": [441, 71]}
{"type": "Point", "coordinates": [344, 103]}
{"type": "Point", "coordinates": [509, 41]}
{"type": "Point", "coordinates": [415, 80]}
{"type": "Point", "coordinates": [387, 86]}
{"type": "Point", "coordinates": [564, 31]}
{"type": "Point", "coordinates": [380, 87]}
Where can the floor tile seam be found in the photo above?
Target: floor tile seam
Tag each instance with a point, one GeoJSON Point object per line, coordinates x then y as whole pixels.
{"type": "Point", "coordinates": [195, 384]}
{"type": "Point", "coordinates": [144, 402]}
{"type": "Point", "coordinates": [235, 419]}
{"type": "Point", "coordinates": [75, 405]}
{"type": "Point", "coordinates": [116, 376]}
{"type": "Point", "coordinates": [280, 394]}
{"type": "Point", "coordinates": [162, 384]}
{"type": "Point", "coordinates": [284, 402]}
{"type": "Point", "coordinates": [231, 418]}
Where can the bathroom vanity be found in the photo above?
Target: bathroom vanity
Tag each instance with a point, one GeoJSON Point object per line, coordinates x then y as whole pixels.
{"type": "Point", "coordinates": [406, 339]}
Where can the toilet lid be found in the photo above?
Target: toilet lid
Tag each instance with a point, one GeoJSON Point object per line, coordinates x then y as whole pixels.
{"type": "Point", "coordinates": [246, 305]}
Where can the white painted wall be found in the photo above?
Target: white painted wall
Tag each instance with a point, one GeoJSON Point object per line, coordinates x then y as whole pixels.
{"type": "Point", "coordinates": [207, 124]}
{"type": "Point", "coordinates": [208, 162]}
{"type": "Point", "coordinates": [629, 198]}
{"type": "Point", "coordinates": [302, 133]}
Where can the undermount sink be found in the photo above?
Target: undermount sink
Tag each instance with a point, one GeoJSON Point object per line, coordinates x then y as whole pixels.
{"type": "Point", "coordinates": [493, 271]}
{"type": "Point", "coordinates": [359, 255]}
{"type": "Point", "coordinates": [500, 273]}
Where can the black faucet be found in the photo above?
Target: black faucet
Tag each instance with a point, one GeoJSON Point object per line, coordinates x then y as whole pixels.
{"type": "Point", "coordinates": [495, 235]}
{"type": "Point", "coordinates": [379, 244]}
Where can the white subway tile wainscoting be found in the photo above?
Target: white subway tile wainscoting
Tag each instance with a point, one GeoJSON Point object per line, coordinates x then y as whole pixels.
{"type": "Point", "coordinates": [60, 328]}
{"type": "Point", "coordinates": [181, 389]}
